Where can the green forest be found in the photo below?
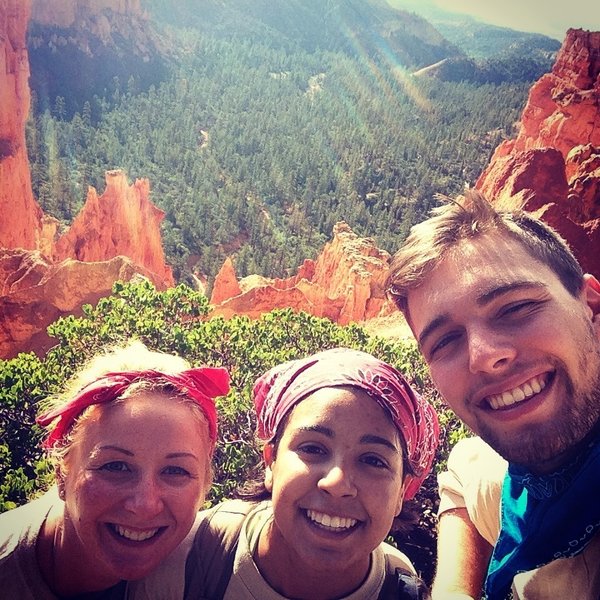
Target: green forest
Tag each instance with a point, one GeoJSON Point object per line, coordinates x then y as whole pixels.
{"type": "Point", "coordinates": [255, 149]}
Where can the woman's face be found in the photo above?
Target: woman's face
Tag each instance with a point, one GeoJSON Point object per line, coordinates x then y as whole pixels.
{"type": "Point", "coordinates": [336, 481]}
{"type": "Point", "coordinates": [133, 480]}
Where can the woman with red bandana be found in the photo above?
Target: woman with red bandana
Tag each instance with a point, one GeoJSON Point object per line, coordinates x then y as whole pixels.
{"type": "Point", "coordinates": [346, 440]}
{"type": "Point", "coordinates": [132, 441]}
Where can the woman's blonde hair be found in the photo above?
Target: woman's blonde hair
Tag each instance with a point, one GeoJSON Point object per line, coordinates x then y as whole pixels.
{"type": "Point", "coordinates": [131, 356]}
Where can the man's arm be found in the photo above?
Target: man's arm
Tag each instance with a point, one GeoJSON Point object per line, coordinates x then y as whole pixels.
{"type": "Point", "coordinates": [462, 558]}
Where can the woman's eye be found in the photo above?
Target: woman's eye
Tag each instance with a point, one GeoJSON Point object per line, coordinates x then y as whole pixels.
{"type": "Point", "coordinates": [311, 449]}
{"type": "Point", "coordinates": [178, 471]}
{"type": "Point", "coordinates": [375, 461]}
{"type": "Point", "coordinates": [115, 466]}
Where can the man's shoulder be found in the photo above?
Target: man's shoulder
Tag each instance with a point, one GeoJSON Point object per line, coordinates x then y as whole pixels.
{"type": "Point", "coordinates": [574, 577]}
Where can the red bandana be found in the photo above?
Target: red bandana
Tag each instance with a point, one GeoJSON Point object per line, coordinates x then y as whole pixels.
{"type": "Point", "coordinates": [282, 387]}
{"type": "Point", "coordinates": [201, 384]}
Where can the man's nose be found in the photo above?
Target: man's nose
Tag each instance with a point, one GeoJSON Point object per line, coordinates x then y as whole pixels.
{"type": "Point", "coordinates": [489, 351]}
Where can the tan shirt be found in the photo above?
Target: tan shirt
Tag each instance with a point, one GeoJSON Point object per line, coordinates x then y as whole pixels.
{"type": "Point", "coordinates": [248, 584]}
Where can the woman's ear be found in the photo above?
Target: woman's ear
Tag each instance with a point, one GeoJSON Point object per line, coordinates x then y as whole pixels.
{"type": "Point", "coordinates": [59, 475]}
{"type": "Point", "coordinates": [269, 457]}
{"type": "Point", "coordinates": [400, 497]}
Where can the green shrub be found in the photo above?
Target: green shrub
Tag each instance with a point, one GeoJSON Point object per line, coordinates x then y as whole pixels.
{"type": "Point", "coordinates": [176, 321]}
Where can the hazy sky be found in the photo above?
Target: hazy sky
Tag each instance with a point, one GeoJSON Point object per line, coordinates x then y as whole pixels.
{"type": "Point", "coordinates": [551, 17]}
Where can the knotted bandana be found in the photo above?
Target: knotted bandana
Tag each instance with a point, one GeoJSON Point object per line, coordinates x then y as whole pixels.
{"type": "Point", "coordinates": [201, 385]}
{"type": "Point", "coordinates": [544, 518]}
{"type": "Point", "coordinates": [282, 387]}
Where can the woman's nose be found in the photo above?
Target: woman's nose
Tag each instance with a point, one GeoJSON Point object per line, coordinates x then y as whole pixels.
{"type": "Point", "coordinates": [145, 498]}
{"type": "Point", "coordinates": [338, 481]}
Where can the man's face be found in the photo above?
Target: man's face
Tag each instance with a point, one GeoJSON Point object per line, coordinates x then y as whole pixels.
{"type": "Point", "coordinates": [511, 351]}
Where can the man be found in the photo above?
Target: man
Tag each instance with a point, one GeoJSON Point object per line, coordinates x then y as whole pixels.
{"type": "Point", "coordinates": [510, 328]}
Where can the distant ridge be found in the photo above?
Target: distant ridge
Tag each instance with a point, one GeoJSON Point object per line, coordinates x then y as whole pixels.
{"type": "Point", "coordinates": [370, 27]}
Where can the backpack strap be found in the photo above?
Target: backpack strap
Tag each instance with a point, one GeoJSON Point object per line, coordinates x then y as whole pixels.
{"type": "Point", "coordinates": [209, 563]}
{"type": "Point", "coordinates": [401, 584]}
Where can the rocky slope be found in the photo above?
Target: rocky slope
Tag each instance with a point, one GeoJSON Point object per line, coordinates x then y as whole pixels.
{"type": "Point", "coordinates": [44, 276]}
{"type": "Point", "coordinates": [120, 222]}
{"type": "Point", "coordinates": [344, 284]}
{"type": "Point", "coordinates": [552, 167]}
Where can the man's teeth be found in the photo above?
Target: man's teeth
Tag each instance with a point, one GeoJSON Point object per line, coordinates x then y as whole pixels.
{"type": "Point", "coordinates": [331, 521]}
{"type": "Point", "coordinates": [136, 536]}
{"type": "Point", "coordinates": [524, 391]}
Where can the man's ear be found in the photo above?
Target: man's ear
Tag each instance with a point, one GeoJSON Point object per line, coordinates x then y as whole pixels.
{"type": "Point", "coordinates": [269, 457]}
{"type": "Point", "coordinates": [591, 295]}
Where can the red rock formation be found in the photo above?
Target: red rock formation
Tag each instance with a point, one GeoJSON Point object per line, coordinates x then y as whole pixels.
{"type": "Point", "coordinates": [226, 284]}
{"type": "Point", "coordinates": [21, 216]}
{"type": "Point", "coordinates": [553, 163]}
{"type": "Point", "coordinates": [34, 293]}
{"type": "Point", "coordinates": [344, 284]}
{"type": "Point", "coordinates": [120, 222]}
{"type": "Point", "coordinates": [33, 290]}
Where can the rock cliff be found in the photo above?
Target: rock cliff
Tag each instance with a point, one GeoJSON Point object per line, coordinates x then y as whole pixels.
{"type": "Point", "coordinates": [344, 284]}
{"type": "Point", "coordinates": [553, 165]}
{"type": "Point", "coordinates": [116, 237]}
{"type": "Point", "coordinates": [21, 220]}
{"type": "Point", "coordinates": [35, 292]}
{"type": "Point", "coordinates": [120, 222]}
{"type": "Point", "coordinates": [42, 278]}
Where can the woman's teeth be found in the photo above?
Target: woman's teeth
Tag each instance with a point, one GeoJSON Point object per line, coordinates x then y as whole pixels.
{"type": "Point", "coordinates": [330, 521]}
{"type": "Point", "coordinates": [136, 536]}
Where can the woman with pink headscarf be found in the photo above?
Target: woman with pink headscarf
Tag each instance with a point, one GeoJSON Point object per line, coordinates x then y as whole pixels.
{"type": "Point", "coordinates": [346, 441]}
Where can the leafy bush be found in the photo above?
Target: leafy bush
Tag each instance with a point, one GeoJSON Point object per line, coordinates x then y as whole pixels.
{"type": "Point", "coordinates": [176, 321]}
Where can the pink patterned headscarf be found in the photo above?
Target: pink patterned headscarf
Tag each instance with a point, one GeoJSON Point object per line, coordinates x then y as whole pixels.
{"type": "Point", "coordinates": [284, 386]}
{"type": "Point", "coordinates": [201, 384]}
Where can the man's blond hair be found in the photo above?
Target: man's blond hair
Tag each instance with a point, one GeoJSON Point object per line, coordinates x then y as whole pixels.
{"type": "Point", "coordinates": [468, 217]}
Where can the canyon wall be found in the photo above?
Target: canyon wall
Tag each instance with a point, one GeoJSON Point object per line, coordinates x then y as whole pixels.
{"type": "Point", "coordinates": [21, 221]}
{"type": "Point", "coordinates": [44, 276]}
{"type": "Point", "coordinates": [120, 222]}
{"type": "Point", "coordinates": [64, 13]}
{"type": "Point", "coordinates": [344, 284]}
{"type": "Point", "coordinates": [552, 167]}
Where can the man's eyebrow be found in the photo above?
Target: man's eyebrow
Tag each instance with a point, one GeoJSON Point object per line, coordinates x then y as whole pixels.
{"type": "Point", "coordinates": [483, 298]}
{"type": "Point", "coordinates": [499, 290]}
{"type": "Point", "coordinates": [438, 322]}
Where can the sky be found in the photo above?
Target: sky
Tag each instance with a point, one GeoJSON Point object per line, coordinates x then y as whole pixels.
{"type": "Point", "coordinates": [550, 17]}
